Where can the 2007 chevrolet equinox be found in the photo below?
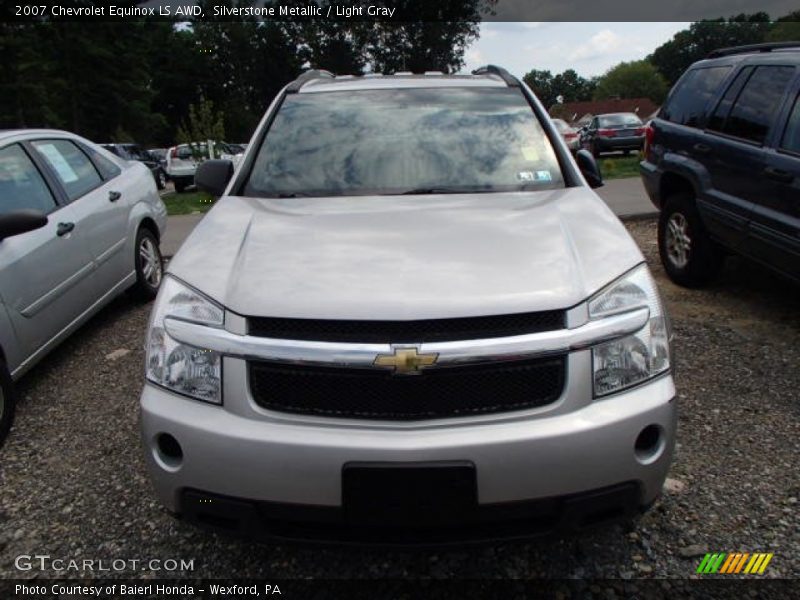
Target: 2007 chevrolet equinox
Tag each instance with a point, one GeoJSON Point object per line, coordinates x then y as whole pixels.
{"type": "Point", "coordinates": [407, 319]}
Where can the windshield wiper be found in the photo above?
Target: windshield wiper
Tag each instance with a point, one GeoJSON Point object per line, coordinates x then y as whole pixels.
{"type": "Point", "coordinates": [291, 195]}
{"type": "Point", "coordinates": [434, 190]}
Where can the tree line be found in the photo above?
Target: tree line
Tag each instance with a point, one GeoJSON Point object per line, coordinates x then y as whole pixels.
{"type": "Point", "coordinates": [653, 76]}
{"type": "Point", "coordinates": [137, 80]}
{"type": "Point", "coordinates": [140, 80]}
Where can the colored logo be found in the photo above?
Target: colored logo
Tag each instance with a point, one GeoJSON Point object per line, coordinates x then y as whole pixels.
{"type": "Point", "coordinates": [406, 360]}
{"type": "Point", "coordinates": [735, 562]}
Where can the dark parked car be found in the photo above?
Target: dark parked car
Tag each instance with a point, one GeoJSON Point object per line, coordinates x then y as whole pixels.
{"type": "Point", "coordinates": [160, 154]}
{"type": "Point", "coordinates": [136, 152]}
{"type": "Point", "coordinates": [613, 132]}
{"type": "Point", "coordinates": [722, 163]}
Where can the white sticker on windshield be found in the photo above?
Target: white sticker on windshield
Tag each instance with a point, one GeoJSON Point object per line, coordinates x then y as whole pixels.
{"type": "Point", "coordinates": [526, 176]}
{"type": "Point", "coordinates": [59, 163]}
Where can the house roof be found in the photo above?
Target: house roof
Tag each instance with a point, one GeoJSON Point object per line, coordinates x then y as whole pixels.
{"type": "Point", "coordinates": [574, 111]}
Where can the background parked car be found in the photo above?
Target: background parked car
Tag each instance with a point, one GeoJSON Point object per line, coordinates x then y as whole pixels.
{"type": "Point", "coordinates": [722, 163]}
{"type": "Point", "coordinates": [612, 133]}
{"type": "Point", "coordinates": [231, 152]}
{"type": "Point", "coordinates": [182, 161]}
{"type": "Point", "coordinates": [569, 133]}
{"type": "Point", "coordinates": [136, 152]}
{"type": "Point", "coordinates": [78, 226]}
{"type": "Point", "coordinates": [161, 155]}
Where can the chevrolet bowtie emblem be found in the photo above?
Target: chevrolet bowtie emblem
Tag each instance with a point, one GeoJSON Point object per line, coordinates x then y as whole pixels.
{"type": "Point", "coordinates": [406, 360]}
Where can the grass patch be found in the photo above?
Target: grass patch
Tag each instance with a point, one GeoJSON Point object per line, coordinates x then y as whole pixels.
{"type": "Point", "coordinates": [187, 202]}
{"type": "Point", "coordinates": [619, 167]}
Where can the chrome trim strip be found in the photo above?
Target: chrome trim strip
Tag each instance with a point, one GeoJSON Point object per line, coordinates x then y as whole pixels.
{"type": "Point", "coordinates": [450, 353]}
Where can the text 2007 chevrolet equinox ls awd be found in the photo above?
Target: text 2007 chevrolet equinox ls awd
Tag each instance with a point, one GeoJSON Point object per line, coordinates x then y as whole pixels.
{"type": "Point", "coordinates": [408, 318]}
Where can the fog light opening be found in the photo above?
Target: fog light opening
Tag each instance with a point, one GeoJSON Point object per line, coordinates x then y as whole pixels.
{"type": "Point", "coordinates": [169, 451]}
{"type": "Point", "coordinates": [649, 444]}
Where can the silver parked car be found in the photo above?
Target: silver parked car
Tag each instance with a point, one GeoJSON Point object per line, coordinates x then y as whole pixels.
{"type": "Point", "coordinates": [78, 226]}
{"type": "Point", "coordinates": [418, 323]}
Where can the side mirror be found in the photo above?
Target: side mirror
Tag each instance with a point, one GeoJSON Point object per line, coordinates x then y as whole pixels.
{"type": "Point", "coordinates": [212, 176]}
{"type": "Point", "coordinates": [589, 168]}
{"type": "Point", "coordinates": [21, 221]}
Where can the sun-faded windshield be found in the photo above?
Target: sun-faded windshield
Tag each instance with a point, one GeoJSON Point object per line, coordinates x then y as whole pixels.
{"type": "Point", "coordinates": [426, 140]}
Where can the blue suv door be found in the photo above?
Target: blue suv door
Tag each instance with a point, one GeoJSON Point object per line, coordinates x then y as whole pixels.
{"type": "Point", "coordinates": [775, 229]}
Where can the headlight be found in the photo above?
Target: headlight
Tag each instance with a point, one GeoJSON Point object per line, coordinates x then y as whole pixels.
{"type": "Point", "coordinates": [638, 357]}
{"type": "Point", "coordinates": [195, 372]}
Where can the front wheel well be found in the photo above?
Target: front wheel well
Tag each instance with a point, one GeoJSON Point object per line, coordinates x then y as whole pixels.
{"type": "Point", "coordinates": [150, 225]}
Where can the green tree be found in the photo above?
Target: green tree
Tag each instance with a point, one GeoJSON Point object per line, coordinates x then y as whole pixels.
{"type": "Point", "coordinates": [89, 80]}
{"type": "Point", "coordinates": [569, 86]}
{"type": "Point", "coordinates": [247, 61]}
{"type": "Point", "coordinates": [27, 71]}
{"type": "Point", "coordinates": [637, 79]}
{"type": "Point", "coordinates": [434, 42]}
{"type": "Point", "coordinates": [690, 45]}
{"type": "Point", "coordinates": [419, 46]}
{"type": "Point", "coordinates": [786, 29]}
{"type": "Point", "coordinates": [541, 83]}
{"type": "Point", "coordinates": [204, 123]}
{"type": "Point", "coordinates": [178, 69]}
{"type": "Point", "coordinates": [572, 87]}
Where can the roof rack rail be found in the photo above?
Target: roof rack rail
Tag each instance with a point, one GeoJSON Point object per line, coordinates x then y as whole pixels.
{"type": "Point", "coordinates": [768, 47]}
{"type": "Point", "coordinates": [510, 80]}
{"type": "Point", "coordinates": [307, 76]}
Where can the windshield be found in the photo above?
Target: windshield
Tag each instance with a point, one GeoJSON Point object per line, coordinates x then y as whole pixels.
{"type": "Point", "coordinates": [630, 120]}
{"type": "Point", "coordinates": [428, 140]}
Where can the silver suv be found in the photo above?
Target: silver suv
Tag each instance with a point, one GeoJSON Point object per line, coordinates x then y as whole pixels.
{"type": "Point", "coordinates": [407, 319]}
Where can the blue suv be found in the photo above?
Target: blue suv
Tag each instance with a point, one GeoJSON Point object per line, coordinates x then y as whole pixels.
{"type": "Point", "coordinates": [722, 163]}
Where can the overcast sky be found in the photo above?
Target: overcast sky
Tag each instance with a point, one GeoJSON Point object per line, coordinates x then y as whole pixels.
{"type": "Point", "coordinates": [589, 48]}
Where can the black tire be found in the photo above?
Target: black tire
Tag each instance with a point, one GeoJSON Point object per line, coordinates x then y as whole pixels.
{"type": "Point", "coordinates": [180, 185]}
{"type": "Point", "coordinates": [690, 257]}
{"type": "Point", "coordinates": [7, 402]}
{"type": "Point", "coordinates": [161, 179]}
{"type": "Point", "coordinates": [147, 254]}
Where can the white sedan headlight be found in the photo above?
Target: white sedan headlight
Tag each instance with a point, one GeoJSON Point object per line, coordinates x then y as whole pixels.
{"type": "Point", "coordinates": [194, 372]}
{"type": "Point", "coordinates": [638, 357]}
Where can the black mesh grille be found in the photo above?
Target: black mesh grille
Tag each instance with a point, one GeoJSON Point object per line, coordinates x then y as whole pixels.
{"type": "Point", "coordinates": [427, 330]}
{"type": "Point", "coordinates": [435, 393]}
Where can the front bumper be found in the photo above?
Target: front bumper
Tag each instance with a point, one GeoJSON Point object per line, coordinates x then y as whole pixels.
{"type": "Point", "coordinates": [574, 448]}
{"type": "Point", "coordinates": [489, 522]}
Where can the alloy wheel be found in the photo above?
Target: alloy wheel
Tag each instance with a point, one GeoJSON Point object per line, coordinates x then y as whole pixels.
{"type": "Point", "coordinates": [679, 242]}
{"type": "Point", "coordinates": [151, 262]}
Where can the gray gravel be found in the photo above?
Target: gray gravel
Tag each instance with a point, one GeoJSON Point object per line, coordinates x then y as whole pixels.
{"type": "Point", "coordinates": [73, 483]}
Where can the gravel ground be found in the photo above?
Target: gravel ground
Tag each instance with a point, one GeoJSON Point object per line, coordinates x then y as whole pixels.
{"type": "Point", "coordinates": [73, 480]}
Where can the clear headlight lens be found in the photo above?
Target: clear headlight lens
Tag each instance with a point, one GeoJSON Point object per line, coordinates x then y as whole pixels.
{"type": "Point", "coordinates": [635, 358]}
{"type": "Point", "coordinates": [195, 372]}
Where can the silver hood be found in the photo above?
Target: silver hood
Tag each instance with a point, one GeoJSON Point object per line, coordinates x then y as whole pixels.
{"type": "Point", "coordinates": [406, 257]}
